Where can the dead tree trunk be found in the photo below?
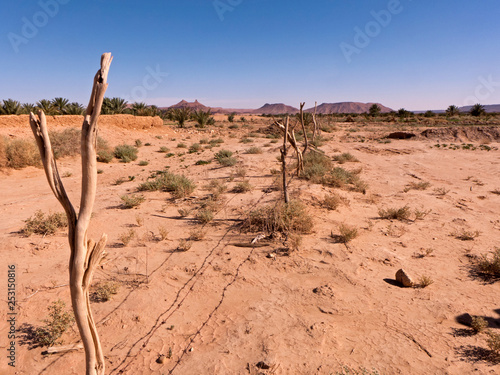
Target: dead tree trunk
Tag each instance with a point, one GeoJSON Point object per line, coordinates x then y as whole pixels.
{"type": "Point", "coordinates": [85, 253]}
{"type": "Point", "coordinates": [315, 131]}
{"type": "Point", "coordinates": [283, 161]}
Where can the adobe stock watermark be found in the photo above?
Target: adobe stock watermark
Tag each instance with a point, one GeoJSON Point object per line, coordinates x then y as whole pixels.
{"type": "Point", "coordinates": [31, 26]}
{"type": "Point", "coordinates": [11, 318]}
{"type": "Point", "coordinates": [223, 6]}
{"type": "Point", "coordinates": [485, 88]}
{"type": "Point", "coordinates": [150, 82]}
{"type": "Point", "coordinates": [372, 29]}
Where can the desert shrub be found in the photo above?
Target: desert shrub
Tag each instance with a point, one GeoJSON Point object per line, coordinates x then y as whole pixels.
{"type": "Point", "coordinates": [242, 187]}
{"type": "Point", "coordinates": [205, 215]}
{"type": "Point", "coordinates": [21, 153]}
{"type": "Point", "coordinates": [204, 141]}
{"type": "Point", "coordinates": [184, 245]}
{"type": "Point", "coordinates": [230, 117]}
{"type": "Point", "coordinates": [490, 265]}
{"type": "Point", "coordinates": [422, 185]}
{"type": "Point", "coordinates": [253, 150]}
{"type": "Point", "coordinates": [316, 166]}
{"type": "Point", "coordinates": [178, 185]}
{"type": "Point", "coordinates": [126, 237]}
{"type": "Point", "coordinates": [105, 155]}
{"type": "Point", "coordinates": [282, 217]}
{"type": "Point", "coordinates": [240, 171]}
{"type": "Point", "coordinates": [493, 342]}
{"type": "Point", "coordinates": [66, 142]}
{"type": "Point", "coordinates": [184, 212]}
{"type": "Point", "coordinates": [225, 158]}
{"type": "Point", "coordinates": [164, 149]}
{"type": "Point", "coordinates": [331, 201]}
{"type": "Point", "coordinates": [345, 157]}
{"type": "Point", "coordinates": [103, 291]}
{"type": "Point", "coordinates": [138, 143]}
{"type": "Point", "coordinates": [143, 163]}
{"type": "Point", "coordinates": [203, 162]}
{"type": "Point", "coordinates": [131, 201]}
{"type": "Point", "coordinates": [402, 213]}
{"type": "Point", "coordinates": [125, 153]}
{"type": "Point", "coordinates": [347, 234]}
{"type": "Point", "coordinates": [217, 188]}
{"type": "Point", "coordinates": [478, 324]}
{"type": "Point", "coordinates": [43, 224]}
{"type": "Point", "coordinates": [246, 140]}
{"type": "Point", "coordinates": [182, 145]}
{"type": "Point", "coordinates": [197, 234]}
{"type": "Point", "coordinates": [465, 235]}
{"type": "Point", "coordinates": [216, 141]}
{"type": "Point", "coordinates": [195, 147]}
{"type": "Point", "coordinates": [3, 152]}
{"type": "Point", "coordinates": [58, 322]}
{"type": "Point", "coordinates": [424, 281]}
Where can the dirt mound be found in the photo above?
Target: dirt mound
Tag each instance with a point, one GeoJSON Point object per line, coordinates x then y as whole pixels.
{"type": "Point", "coordinates": [122, 121]}
{"type": "Point", "coordinates": [463, 134]}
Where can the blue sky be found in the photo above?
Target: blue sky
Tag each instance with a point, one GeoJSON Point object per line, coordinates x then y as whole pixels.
{"type": "Point", "coordinates": [244, 53]}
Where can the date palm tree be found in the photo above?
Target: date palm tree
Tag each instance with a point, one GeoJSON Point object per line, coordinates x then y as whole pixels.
{"type": "Point", "coordinates": [139, 109]}
{"type": "Point", "coordinates": [27, 108]}
{"type": "Point", "coordinates": [477, 110]}
{"type": "Point", "coordinates": [46, 106]}
{"type": "Point", "coordinates": [10, 107]}
{"type": "Point", "coordinates": [75, 109]}
{"type": "Point", "coordinates": [452, 110]}
{"type": "Point", "coordinates": [60, 105]}
{"type": "Point", "coordinates": [202, 117]}
{"type": "Point", "coordinates": [181, 115]}
{"type": "Point", "coordinates": [118, 105]}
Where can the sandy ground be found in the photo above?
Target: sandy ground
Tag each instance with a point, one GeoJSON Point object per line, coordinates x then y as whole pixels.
{"type": "Point", "coordinates": [223, 309]}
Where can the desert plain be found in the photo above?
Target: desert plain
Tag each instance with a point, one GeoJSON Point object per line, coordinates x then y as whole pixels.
{"type": "Point", "coordinates": [193, 296]}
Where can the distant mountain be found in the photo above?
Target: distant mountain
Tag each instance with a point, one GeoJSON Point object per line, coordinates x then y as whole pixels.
{"type": "Point", "coordinates": [488, 108]}
{"type": "Point", "coordinates": [347, 107]}
{"type": "Point", "coordinates": [275, 109]}
{"type": "Point", "coordinates": [194, 106]}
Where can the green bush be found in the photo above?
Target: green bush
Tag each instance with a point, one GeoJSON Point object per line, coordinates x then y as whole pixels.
{"type": "Point", "coordinates": [131, 201]}
{"type": "Point", "coordinates": [225, 158]}
{"type": "Point", "coordinates": [179, 186]}
{"type": "Point", "coordinates": [126, 153]}
{"type": "Point", "coordinates": [58, 322]}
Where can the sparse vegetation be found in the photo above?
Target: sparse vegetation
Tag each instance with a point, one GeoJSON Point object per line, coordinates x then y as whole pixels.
{"type": "Point", "coordinates": [253, 150]}
{"type": "Point", "coordinates": [163, 233]}
{"type": "Point", "coordinates": [103, 291]}
{"type": "Point", "coordinates": [478, 324]}
{"type": "Point", "coordinates": [465, 235]}
{"type": "Point", "coordinates": [184, 245]}
{"type": "Point", "coordinates": [345, 157]}
{"type": "Point", "coordinates": [43, 224]}
{"type": "Point", "coordinates": [346, 370]}
{"type": "Point", "coordinates": [347, 234]}
{"type": "Point", "coordinates": [216, 188]}
{"type": "Point", "coordinates": [331, 201]}
{"type": "Point", "coordinates": [490, 265]}
{"type": "Point", "coordinates": [197, 234]}
{"type": "Point", "coordinates": [143, 163]}
{"type": "Point", "coordinates": [424, 281]}
{"type": "Point", "coordinates": [131, 201]}
{"type": "Point", "coordinates": [163, 149]}
{"type": "Point", "coordinates": [59, 321]}
{"type": "Point", "coordinates": [205, 215]}
{"type": "Point", "coordinates": [178, 185]}
{"type": "Point", "coordinates": [126, 237]}
{"type": "Point", "coordinates": [242, 187]}
{"type": "Point", "coordinates": [195, 147]}
{"type": "Point", "coordinates": [421, 185]}
{"type": "Point", "coordinates": [402, 213]}
{"type": "Point", "coordinates": [225, 158]}
{"type": "Point", "coordinates": [493, 342]}
{"type": "Point", "coordinates": [125, 153]}
{"type": "Point", "coordinates": [281, 217]}
{"type": "Point", "coordinates": [184, 212]}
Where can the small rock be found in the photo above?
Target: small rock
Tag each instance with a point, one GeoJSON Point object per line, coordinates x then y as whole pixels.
{"type": "Point", "coordinates": [271, 256]}
{"type": "Point", "coordinates": [160, 359]}
{"type": "Point", "coordinates": [403, 278]}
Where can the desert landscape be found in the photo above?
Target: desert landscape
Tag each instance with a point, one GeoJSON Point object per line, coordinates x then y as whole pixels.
{"type": "Point", "coordinates": [211, 273]}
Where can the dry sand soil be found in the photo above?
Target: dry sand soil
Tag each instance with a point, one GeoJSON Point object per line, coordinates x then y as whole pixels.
{"type": "Point", "coordinates": [195, 298]}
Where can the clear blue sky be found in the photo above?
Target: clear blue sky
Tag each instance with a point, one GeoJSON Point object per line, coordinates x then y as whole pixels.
{"type": "Point", "coordinates": [244, 53]}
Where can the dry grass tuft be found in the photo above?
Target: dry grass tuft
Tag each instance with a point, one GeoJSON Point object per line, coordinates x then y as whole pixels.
{"type": "Point", "coordinates": [282, 217]}
{"type": "Point", "coordinates": [43, 224]}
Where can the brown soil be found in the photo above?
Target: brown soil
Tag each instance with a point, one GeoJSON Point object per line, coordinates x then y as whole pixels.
{"type": "Point", "coordinates": [219, 308]}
